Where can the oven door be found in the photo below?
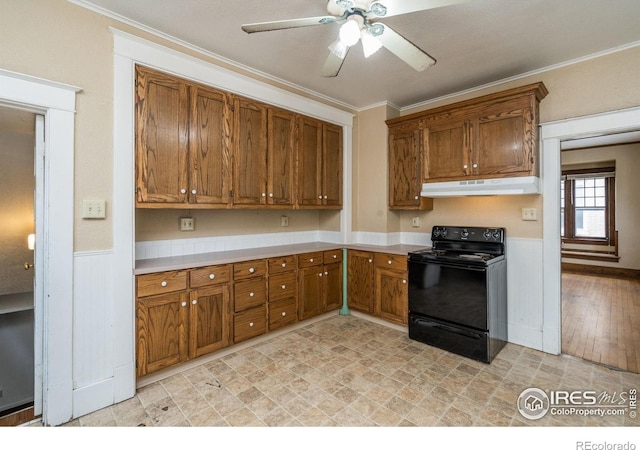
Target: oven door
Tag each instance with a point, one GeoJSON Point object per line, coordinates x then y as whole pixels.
{"type": "Point", "coordinates": [456, 294]}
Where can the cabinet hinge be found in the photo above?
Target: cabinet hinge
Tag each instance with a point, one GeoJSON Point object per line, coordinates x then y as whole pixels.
{"type": "Point", "coordinates": [135, 82]}
{"type": "Point", "coordinates": [136, 363]}
{"type": "Point", "coordinates": [231, 193]}
{"type": "Point", "coordinates": [232, 108]}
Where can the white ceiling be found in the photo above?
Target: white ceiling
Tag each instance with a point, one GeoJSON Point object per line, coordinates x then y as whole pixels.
{"type": "Point", "coordinates": [474, 43]}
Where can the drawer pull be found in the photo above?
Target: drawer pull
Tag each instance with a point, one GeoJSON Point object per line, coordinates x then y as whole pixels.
{"type": "Point", "coordinates": [194, 192]}
{"type": "Point", "coordinates": [250, 324]}
{"type": "Point", "coordinates": [183, 191]}
{"type": "Point", "coordinates": [389, 262]}
{"type": "Point", "coordinates": [416, 197]}
{"type": "Point", "coordinates": [194, 302]}
{"type": "Point", "coordinates": [163, 284]}
{"type": "Point", "coordinates": [335, 256]}
{"type": "Point", "coordinates": [326, 273]}
{"type": "Point", "coordinates": [251, 270]}
{"type": "Point", "coordinates": [251, 294]}
{"type": "Point", "coordinates": [284, 313]}
{"type": "Point", "coordinates": [264, 194]}
{"type": "Point", "coordinates": [283, 286]}
{"type": "Point", "coordinates": [371, 260]}
{"type": "Point", "coordinates": [404, 281]}
{"type": "Point", "coordinates": [310, 259]}
{"type": "Point", "coordinates": [320, 274]}
{"type": "Point", "coordinates": [184, 304]}
{"type": "Point", "coordinates": [212, 276]}
{"type": "Point", "coordinates": [284, 264]}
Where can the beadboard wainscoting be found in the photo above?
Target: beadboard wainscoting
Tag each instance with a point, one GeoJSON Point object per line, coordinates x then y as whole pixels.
{"type": "Point", "coordinates": [525, 291]}
{"type": "Point", "coordinates": [93, 331]}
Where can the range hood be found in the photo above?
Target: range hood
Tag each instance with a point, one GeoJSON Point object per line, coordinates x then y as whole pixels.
{"type": "Point", "coordinates": [489, 186]}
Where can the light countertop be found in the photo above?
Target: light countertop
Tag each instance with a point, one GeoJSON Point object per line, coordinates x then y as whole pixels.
{"type": "Point", "coordinates": [144, 266]}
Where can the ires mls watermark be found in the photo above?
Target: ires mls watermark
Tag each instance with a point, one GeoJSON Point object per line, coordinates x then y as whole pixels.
{"type": "Point", "coordinates": [534, 403]}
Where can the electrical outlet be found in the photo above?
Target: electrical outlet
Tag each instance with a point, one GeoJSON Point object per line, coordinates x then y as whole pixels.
{"type": "Point", "coordinates": [187, 224]}
{"type": "Point", "coordinates": [529, 214]}
{"type": "Point", "coordinates": [415, 222]}
{"type": "Point", "coordinates": [284, 221]}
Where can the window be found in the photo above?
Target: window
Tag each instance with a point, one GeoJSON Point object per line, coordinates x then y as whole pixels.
{"type": "Point", "coordinates": [587, 206]}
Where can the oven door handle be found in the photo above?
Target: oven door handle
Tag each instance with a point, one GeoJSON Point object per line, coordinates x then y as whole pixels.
{"type": "Point", "coordinates": [452, 266]}
{"type": "Point", "coordinates": [450, 329]}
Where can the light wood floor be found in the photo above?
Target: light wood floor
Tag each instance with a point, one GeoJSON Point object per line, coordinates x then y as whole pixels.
{"type": "Point", "coordinates": [601, 319]}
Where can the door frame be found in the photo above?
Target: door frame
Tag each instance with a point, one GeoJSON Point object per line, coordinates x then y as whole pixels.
{"type": "Point", "coordinates": [53, 295]}
{"type": "Point", "coordinates": [552, 134]}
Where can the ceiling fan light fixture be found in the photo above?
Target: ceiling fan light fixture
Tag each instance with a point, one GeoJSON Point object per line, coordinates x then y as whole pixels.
{"type": "Point", "coordinates": [370, 44]}
{"type": "Point", "coordinates": [350, 31]}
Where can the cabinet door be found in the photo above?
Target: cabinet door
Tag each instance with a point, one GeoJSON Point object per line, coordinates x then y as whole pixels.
{"type": "Point", "coordinates": [391, 296]}
{"type": "Point", "coordinates": [249, 152]}
{"type": "Point", "coordinates": [503, 139]}
{"type": "Point", "coordinates": [360, 278]}
{"type": "Point", "coordinates": [162, 327]}
{"type": "Point", "coordinates": [209, 147]}
{"type": "Point", "coordinates": [332, 166]}
{"type": "Point", "coordinates": [280, 152]}
{"type": "Point", "coordinates": [162, 116]}
{"type": "Point", "coordinates": [310, 292]}
{"type": "Point", "coordinates": [309, 162]}
{"type": "Point", "coordinates": [208, 320]}
{"type": "Point", "coordinates": [332, 287]}
{"type": "Point", "coordinates": [405, 183]}
{"type": "Point", "coordinates": [446, 150]}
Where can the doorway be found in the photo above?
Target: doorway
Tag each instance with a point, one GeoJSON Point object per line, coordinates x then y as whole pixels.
{"type": "Point", "coordinates": [600, 265]}
{"type": "Point", "coordinates": [17, 241]}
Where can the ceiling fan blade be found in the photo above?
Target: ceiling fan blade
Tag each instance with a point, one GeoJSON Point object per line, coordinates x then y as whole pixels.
{"type": "Point", "coordinates": [292, 23]}
{"type": "Point", "coordinates": [405, 50]}
{"type": "Point", "coordinates": [334, 61]}
{"type": "Point", "coordinates": [397, 7]}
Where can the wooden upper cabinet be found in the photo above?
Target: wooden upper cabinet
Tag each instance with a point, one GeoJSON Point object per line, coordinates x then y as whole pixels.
{"type": "Point", "coordinates": [332, 165]}
{"type": "Point", "coordinates": [319, 164]}
{"type": "Point", "coordinates": [199, 147]}
{"type": "Point", "coordinates": [249, 152]}
{"type": "Point", "coordinates": [503, 139]}
{"type": "Point", "coordinates": [405, 162]}
{"type": "Point", "coordinates": [161, 138]}
{"type": "Point", "coordinates": [446, 152]}
{"type": "Point", "coordinates": [281, 134]}
{"type": "Point", "coordinates": [209, 148]}
{"type": "Point", "coordinates": [491, 136]}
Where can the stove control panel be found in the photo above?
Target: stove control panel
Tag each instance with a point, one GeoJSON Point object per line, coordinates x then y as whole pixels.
{"type": "Point", "coordinates": [474, 234]}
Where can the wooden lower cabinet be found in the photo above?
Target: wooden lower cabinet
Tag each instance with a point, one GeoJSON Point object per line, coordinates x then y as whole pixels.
{"type": "Point", "coordinates": [209, 320]}
{"type": "Point", "coordinates": [249, 299]}
{"type": "Point", "coordinates": [319, 283]}
{"type": "Point", "coordinates": [391, 291]}
{"type": "Point", "coordinates": [360, 280]}
{"type": "Point", "coordinates": [249, 323]}
{"type": "Point", "coordinates": [162, 324]}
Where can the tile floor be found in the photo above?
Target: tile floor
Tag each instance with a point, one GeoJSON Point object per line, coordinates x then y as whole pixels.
{"type": "Point", "coordinates": [348, 371]}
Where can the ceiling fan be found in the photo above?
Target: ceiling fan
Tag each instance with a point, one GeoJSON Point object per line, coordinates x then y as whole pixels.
{"type": "Point", "coordinates": [361, 23]}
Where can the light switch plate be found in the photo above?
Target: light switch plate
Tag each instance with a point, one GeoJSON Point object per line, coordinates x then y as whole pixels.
{"type": "Point", "coordinates": [93, 209]}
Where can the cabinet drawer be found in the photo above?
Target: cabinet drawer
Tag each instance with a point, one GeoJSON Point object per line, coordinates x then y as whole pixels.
{"type": "Point", "coordinates": [282, 285]}
{"type": "Point", "coordinates": [282, 313]}
{"type": "Point", "coordinates": [310, 259]}
{"type": "Point", "coordinates": [159, 283]}
{"type": "Point", "coordinates": [210, 275]}
{"type": "Point", "coordinates": [284, 264]}
{"type": "Point", "coordinates": [332, 256]}
{"type": "Point", "coordinates": [396, 262]}
{"type": "Point", "coordinates": [249, 323]}
{"type": "Point", "coordinates": [249, 269]}
{"type": "Point", "coordinates": [250, 293]}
